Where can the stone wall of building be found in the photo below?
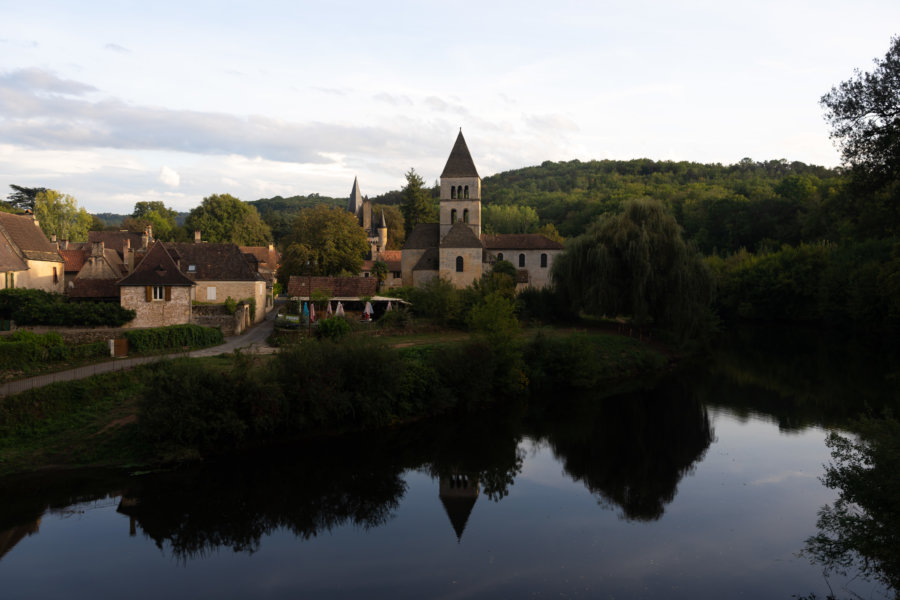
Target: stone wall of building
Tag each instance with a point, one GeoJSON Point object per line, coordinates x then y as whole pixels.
{"type": "Point", "coordinates": [408, 260]}
{"type": "Point", "coordinates": [42, 275]}
{"type": "Point", "coordinates": [538, 276]}
{"type": "Point", "coordinates": [472, 266]}
{"type": "Point", "coordinates": [157, 313]}
{"type": "Point", "coordinates": [219, 291]}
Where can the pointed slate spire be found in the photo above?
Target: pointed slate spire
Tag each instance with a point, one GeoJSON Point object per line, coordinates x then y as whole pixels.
{"type": "Point", "coordinates": [383, 221]}
{"type": "Point", "coordinates": [460, 163]}
{"type": "Point", "coordinates": [356, 199]}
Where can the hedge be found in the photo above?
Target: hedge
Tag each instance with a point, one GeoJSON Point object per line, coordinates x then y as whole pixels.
{"type": "Point", "coordinates": [173, 336]}
{"type": "Point", "coordinates": [24, 348]}
{"type": "Point", "coordinates": [37, 307]}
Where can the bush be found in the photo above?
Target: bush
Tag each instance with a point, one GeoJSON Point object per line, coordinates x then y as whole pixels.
{"type": "Point", "coordinates": [37, 307]}
{"type": "Point", "coordinates": [230, 305]}
{"type": "Point", "coordinates": [332, 328]}
{"type": "Point", "coordinates": [23, 349]}
{"type": "Point", "coordinates": [173, 336]}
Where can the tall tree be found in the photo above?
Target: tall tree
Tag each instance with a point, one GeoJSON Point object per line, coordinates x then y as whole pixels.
{"type": "Point", "coordinates": [154, 213]}
{"type": "Point", "coordinates": [22, 198]}
{"type": "Point", "coordinates": [59, 215]}
{"type": "Point", "coordinates": [224, 218]}
{"type": "Point", "coordinates": [324, 241]}
{"type": "Point", "coordinates": [637, 263]}
{"type": "Point", "coordinates": [418, 206]}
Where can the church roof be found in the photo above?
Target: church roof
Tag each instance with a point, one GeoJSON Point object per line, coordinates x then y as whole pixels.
{"type": "Point", "coordinates": [423, 235]}
{"type": "Point", "coordinates": [519, 241]}
{"type": "Point", "coordinates": [460, 163]}
{"type": "Point", "coordinates": [356, 199]}
{"type": "Point", "coordinates": [428, 261]}
{"type": "Point", "coordinates": [460, 236]}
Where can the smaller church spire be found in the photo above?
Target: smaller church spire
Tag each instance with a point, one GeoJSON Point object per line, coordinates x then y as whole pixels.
{"type": "Point", "coordinates": [383, 221]}
{"type": "Point", "coordinates": [356, 199]}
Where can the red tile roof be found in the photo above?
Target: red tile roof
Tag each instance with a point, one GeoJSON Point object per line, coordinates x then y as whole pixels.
{"type": "Point", "coordinates": [31, 241]}
{"type": "Point", "coordinates": [335, 287]}
{"type": "Point", "coordinates": [519, 241]}
{"type": "Point", "coordinates": [74, 259]}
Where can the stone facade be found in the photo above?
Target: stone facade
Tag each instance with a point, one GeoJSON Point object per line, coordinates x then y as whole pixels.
{"type": "Point", "coordinates": [535, 263]}
{"type": "Point", "coordinates": [42, 275]}
{"type": "Point", "coordinates": [157, 313]}
{"type": "Point", "coordinates": [471, 265]}
{"type": "Point", "coordinates": [218, 291]}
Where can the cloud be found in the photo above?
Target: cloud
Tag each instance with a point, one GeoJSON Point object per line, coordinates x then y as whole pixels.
{"type": "Point", "coordinates": [53, 121]}
{"type": "Point", "coordinates": [169, 176]}
{"type": "Point", "coordinates": [393, 100]}
{"type": "Point", "coordinates": [117, 48]}
{"type": "Point", "coordinates": [439, 104]}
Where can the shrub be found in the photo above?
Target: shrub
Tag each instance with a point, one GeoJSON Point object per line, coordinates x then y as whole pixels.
{"type": "Point", "coordinates": [332, 328]}
{"type": "Point", "coordinates": [173, 336]}
{"type": "Point", "coordinates": [230, 305]}
{"type": "Point", "coordinates": [37, 307]}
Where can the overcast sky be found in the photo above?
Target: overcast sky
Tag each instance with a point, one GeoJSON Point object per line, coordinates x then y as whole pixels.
{"type": "Point", "coordinates": [116, 102]}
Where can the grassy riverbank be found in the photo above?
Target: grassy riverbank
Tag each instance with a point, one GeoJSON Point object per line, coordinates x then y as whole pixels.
{"type": "Point", "coordinates": [191, 408]}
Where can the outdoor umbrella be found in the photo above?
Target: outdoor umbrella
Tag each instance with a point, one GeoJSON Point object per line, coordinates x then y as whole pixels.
{"type": "Point", "coordinates": [305, 312]}
{"type": "Point", "coordinates": [328, 312]}
{"type": "Point", "coordinates": [367, 315]}
{"type": "Point", "coordinates": [340, 310]}
{"type": "Point", "coordinates": [312, 312]}
{"type": "Point", "coordinates": [388, 309]}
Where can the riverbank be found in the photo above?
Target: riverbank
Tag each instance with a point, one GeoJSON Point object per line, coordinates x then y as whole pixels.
{"type": "Point", "coordinates": [191, 408]}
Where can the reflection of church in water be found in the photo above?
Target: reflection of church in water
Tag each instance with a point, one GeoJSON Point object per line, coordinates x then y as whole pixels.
{"type": "Point", "coordinates": [458, 493]}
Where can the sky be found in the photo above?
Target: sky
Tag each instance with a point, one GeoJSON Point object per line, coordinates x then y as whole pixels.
{"type": "Point", "coordinates": [119, 102]}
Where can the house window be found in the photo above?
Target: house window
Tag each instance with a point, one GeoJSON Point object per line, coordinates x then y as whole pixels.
{"type": "Point", "coordinates": [543, 261]}
{"type": "Point", "coordinates": [499, 256]}
{"type": "Point", "coordinates": [192, 268]}
{"type": "Point", "coordinates": [55, 276]}
{"type": "Point", "coordinates": [366, 274]}
{"type": "Point", "coordinates": [159, 292]}
{"type": "Point", "coordinates": [211, 292]}
{"type": "Point", "coordinates": [459, 264]}
{"type": "Point", "coordinates": [521, 261]}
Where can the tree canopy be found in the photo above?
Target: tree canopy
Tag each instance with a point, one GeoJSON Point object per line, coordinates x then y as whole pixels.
{"type": "Point", "coordinates": [161, 219]}
{"type": "Point", "coordinates": [418, 205]}
{"type": "Point", "coordinates": [324, 241]}
{"type": "Point", "coordinates": [59, 215]}
{"type": "Point", "coordinates": [224, 218]}
{"type": "Point", "coordinates": [22, 198]}
{"type": "Point", "coordinates": [636, 263]}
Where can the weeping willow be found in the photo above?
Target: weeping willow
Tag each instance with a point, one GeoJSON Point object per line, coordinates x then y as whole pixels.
{"type": "Point", "coordinates": [637, 264]}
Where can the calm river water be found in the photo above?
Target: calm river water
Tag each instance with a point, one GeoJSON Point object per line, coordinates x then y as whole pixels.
{"type": "Point", "coordinates": [706, 485]}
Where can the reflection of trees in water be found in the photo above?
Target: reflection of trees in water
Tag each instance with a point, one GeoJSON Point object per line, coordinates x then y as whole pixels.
{"type": "Point", "coordinates": [633, 449]}
{"type": "Point", "coordinates": [861, 530]}
{"type": "Point", "coordinates": [800, 377]}
{"type": "Point", "coordinates": [356, 480]}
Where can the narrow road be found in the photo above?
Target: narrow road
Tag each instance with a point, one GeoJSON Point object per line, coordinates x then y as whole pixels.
{"type": "Point", "coordinates": [252, 341]}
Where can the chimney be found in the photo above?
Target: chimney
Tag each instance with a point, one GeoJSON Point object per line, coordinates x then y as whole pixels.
{"type": "Point", "coordinates": [197, 236]}
{"type": "Point", "coordinates": [52, 238]}
{"type": "Point", "coordinates": [97, 250]}
{"type": "Point", "coordinates": [145, 240]}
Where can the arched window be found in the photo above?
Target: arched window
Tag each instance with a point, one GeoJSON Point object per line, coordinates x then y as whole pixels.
{"type": "Point", "coordinates": [521, 260]}
{"type": "Point", "coordinates": [466, 191]}
{"type": "Point", "coordinates": [459, 191]}
{"type": "Point", "coordinates": [452, 216]}
{"type": "Point", "coordinates": [459, 264]}
{"type": "Point", "coordinates": [465, 215]}
{"type": "Point", "coordinates": [499, 256]}
{"type": "Point", "coordinates": [543, 261]}
{"type": "Point", "coordinates": [452, 192]}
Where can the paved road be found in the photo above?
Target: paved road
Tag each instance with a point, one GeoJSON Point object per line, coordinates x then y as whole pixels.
{"type": "Point", "coordinates": [253, 341]}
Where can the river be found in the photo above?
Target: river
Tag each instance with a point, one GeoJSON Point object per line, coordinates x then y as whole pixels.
{"type": "Point", "coordinates": [705, 484]}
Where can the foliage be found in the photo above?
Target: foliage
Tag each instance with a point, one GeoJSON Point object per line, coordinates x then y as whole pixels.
{"type": "Point", "coordinates": [22, 198]}
{"type": "Point", "coordinates": [418, 206]}
{"type": "Point", "coordinates": [59, 215]}
{"type": "Point", "coordinates": [161, 219]}
{"type": "Point", "coordinates": [37, 307]}
{"type": "Point", "coordinates": [861, 528]}
{"type": "Point", "coordinates": [332, 328]}
{"type": "Point", "coordinates": [173, 336]}
{"type": "Point", "coordinates": [230, 305]}
{"type": "Point", "coordinates": [545, 305]}
{"type": "Point", "coordinates": [222, 218]}
{"type": "Point", "coordinates": [380, 269]}
{"type": "Point", "coordinates": [509, 218]}
{"type": "Point", "coordinates": [280, 213]}
{"type": "Point", "coordinates": [324, 241]}
{"type": "Point", "coordinates": [864, 113]}
{"type": "Point", "coordinates": [23, 349]}
{"type": "Point", "coordinates": [438, 300]}
{"type": "Point", "coordinates": [637, 264]}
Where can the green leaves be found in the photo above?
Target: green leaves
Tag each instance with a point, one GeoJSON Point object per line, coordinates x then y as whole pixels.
{"type": "Point", "coordinates": [222, 218]}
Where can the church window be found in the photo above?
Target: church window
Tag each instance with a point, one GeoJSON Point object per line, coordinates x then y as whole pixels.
{"type": "Point", "coordinates": [459, 191]}
{"type": "Point", "coordinates": [499, 256]}
{"type": "Point", "coordinates": [521, 260]}
{"type": "Point", "coordinates": [452, 215]}
{"type": "Point", "coordinates": [543, 261]}
{"type": "Point", "coordinates": [466, 215]}
{"type": "Point", "coordinates": [459, 264]}
{"type": "Point", "coordinates": [466, 191]}
{"type": "Point", "coordinates": [452, 192]}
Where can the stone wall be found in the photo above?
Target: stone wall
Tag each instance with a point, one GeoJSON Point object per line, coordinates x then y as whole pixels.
{"type": "Point", "coordinates": [157, 313]}
{"type": "Point", "coordinates": [472, 260]}
{"type": "Point", "coordinates": [40, 276]}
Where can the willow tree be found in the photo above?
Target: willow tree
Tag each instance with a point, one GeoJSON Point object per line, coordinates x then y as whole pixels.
{"type": "Point", "coordinates": [636, 263]}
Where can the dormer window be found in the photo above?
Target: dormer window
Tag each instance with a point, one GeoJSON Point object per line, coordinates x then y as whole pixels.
{"type": "Point", "coordinates": [192, 268]}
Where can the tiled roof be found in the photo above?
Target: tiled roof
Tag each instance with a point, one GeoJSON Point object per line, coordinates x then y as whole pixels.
{"type": "Point", "coordinates": [423, 235]}
{"type": "Point", "coordinates": [460, 236]}
{"type": "Point", "coordinates": [117, 240]}
{"type": "Point", "coordinates": [428, 261]}
{"type": "Point", "coordinates": [335, 287]}
{"type": "Point", "coordinates": [93, 288]}
{"type": "Point", "coordinates": [519, 241]}
{"type": "Point", "coordinates": [460, 163]}
{"type": "Point", "coordinates": [28, 237]}
{"type": "Point", "coordinates": [213, 262]}
{"type": "Point", "coordinates": [9, 258]}
{"type": "Point", "coordinates": [390, 255]}
{"type": "Point", "coordinates": [74, 259]}
{"type": "Point", "coordinates": [265, 256]}
{"type": "Point", "coordinates": [157, 268]}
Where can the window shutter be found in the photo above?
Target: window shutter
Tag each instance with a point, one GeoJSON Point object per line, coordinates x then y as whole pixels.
{"type": "Point", "coordinates": [168, 293]}
{"type": "Point", "coordinates": [149, 290]}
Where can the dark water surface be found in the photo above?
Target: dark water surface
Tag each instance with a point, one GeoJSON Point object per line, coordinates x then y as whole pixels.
{"type": "Point", "coordinates": [705, 486]}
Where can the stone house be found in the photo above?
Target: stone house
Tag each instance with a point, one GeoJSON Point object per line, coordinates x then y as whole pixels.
{"type": "Point", "coordinates": [455, 248]}
{"type": "Point", "coordinates": [27, 258]}
{"type": "Point", "coordinates": [157, 291]}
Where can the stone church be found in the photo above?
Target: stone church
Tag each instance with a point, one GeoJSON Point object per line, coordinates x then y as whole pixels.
{"type": "Point", "coordinates": [455, 249]}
